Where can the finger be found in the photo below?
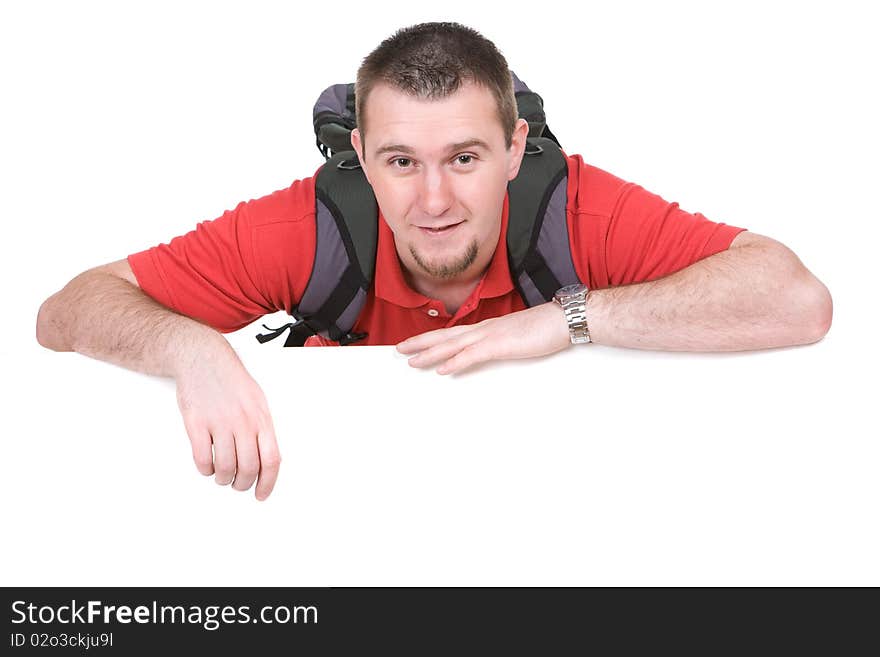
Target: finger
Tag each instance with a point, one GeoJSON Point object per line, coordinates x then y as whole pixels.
{"type": "Point", "coordinates": [431, 338]}
{"type": "Point", "coordinates": [200, 440]}
{"type": "Point", "coordinates": [446, 350]}
{"type": "Point", "coordinates": [270, 461]}
{"type": "Point", "coordinates": [224, 457]}
{"type": "Point", "coordinates": [479, 352]}
{"type": "Point", "coordinates": [247, 460]}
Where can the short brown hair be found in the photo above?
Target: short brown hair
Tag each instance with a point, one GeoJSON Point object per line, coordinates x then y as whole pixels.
{"type": "Point", "coordinates": [432, 60]}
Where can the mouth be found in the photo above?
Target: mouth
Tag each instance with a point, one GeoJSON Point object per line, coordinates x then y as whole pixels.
{"type": "Point", "coordinates": [441, 230]}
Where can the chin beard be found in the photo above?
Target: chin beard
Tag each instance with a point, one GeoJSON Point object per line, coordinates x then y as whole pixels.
{"type": "Point", "coordinates": [450, 268]}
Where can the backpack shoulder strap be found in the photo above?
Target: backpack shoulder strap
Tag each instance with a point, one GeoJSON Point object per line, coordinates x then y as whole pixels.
{"type": "Point", "coordinates": [345, 255]}
{"type": "Point", "coordinates": [538, 247]}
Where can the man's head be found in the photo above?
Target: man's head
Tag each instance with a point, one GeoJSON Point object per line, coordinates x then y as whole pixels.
{"type": "Point", "coordinates": [438, 138]}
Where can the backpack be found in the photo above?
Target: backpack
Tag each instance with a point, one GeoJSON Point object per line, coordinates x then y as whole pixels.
{"type": "Point", "coordinates": [347, 222]}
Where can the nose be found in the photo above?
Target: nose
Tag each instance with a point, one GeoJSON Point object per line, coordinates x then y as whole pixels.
{"type": "Point", "coordinates": [436, 192]}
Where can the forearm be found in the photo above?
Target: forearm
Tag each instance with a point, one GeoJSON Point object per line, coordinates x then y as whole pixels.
{"type": "Point", "coordinates": [105, 317]}
{"type": "Point", "coordinates": [738, 299]}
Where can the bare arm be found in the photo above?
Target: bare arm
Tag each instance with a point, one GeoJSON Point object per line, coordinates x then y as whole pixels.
{"type": "Point", "coordinates": [755, 295]}
{"type": "Point", "coordinates": [103, 313]}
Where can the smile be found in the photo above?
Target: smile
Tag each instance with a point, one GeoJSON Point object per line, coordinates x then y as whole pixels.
{"type": "Point", "coordinates": [445, 230]}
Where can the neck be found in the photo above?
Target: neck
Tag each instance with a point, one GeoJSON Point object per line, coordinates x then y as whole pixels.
{"type": "Point", "coordinates": [451, 293]}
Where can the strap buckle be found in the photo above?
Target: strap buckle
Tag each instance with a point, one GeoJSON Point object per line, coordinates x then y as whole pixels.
{"type": "Point", "coordinates": [349, 164]}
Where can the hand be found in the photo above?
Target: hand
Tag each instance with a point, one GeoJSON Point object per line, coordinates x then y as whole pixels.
{"type": "Point", "coordinates": [536, 331]}
{"type": "Point", "coordinates": [223, 407]}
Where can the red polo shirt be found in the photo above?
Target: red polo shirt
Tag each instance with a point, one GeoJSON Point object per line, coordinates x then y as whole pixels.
{"type": "Point", "coordinates": [257, 258]}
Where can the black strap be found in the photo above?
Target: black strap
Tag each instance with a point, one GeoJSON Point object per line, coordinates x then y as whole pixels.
{"type": "Point", "coordinates": [544, 279]}
{"type": "Point", "coordinates": [263, 338]}
{"type": "Point", "coordinates": [300, 331]}
{"type": "Point", "coordinates": [303, 329]}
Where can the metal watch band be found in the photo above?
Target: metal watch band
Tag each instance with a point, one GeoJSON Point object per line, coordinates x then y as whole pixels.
{"type": "Point", "coordinates": [573, 301]}
{"type": "Point", "coordinates": [575, 309]}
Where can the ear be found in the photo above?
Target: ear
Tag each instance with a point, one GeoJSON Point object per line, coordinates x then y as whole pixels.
{"type": "Point", "coordinates": [517, 147]}
{"type": "Point", "coordinates": [357, 145]}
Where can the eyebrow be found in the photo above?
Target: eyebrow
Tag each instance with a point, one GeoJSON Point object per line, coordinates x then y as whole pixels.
{"type": "Point", "coordinates": [403, 148]}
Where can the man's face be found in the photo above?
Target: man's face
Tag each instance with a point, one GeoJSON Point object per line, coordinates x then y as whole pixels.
{"type": "Point", "coordinates": [441, 194]}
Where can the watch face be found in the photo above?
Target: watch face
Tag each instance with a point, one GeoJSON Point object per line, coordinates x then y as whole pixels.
{"type": "Point", "coordinates": [569, 290]}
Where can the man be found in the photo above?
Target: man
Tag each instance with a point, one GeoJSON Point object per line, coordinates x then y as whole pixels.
{"type": "Point", "coordinates": [438, 139]}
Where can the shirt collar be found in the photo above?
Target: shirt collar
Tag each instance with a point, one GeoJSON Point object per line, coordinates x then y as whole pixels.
{"type": "Point", "coordinates": [392, 286]}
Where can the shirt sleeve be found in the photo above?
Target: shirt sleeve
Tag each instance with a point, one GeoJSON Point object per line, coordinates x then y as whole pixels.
{"type": "Point", "coordinates": [649, 237]}
{"type": "Point", "coordinates": [621, 233]}
{"type": "Point", "coordinates": [252, 260]}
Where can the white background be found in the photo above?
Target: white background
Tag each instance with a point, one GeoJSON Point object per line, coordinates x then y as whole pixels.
{"type": "Point", "coordinates": [123, 125]}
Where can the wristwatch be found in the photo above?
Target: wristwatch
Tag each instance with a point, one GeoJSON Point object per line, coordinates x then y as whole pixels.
{"type": "Point", "coordinates": [573, 300]}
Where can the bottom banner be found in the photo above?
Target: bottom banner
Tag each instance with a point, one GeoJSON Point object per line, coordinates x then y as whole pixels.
{"type": "Point", "coordinates": [332, 621]}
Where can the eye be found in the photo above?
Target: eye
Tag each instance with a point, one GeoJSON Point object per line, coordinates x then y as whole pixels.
{"type": "Point", "coordinates": [469, 158]}
{"type": "Point", "coordinates": [400, 159]}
